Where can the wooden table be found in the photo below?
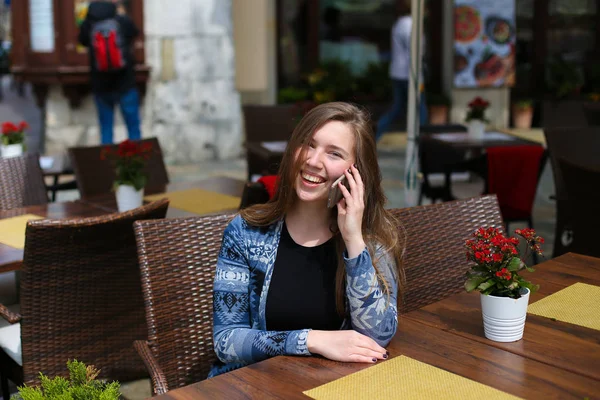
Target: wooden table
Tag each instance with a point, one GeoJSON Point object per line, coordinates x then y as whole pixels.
{"type": "Point", "coordinates": [554, 360]}
{"type": "Point", "coordinates": [219, 184]}
{"type": "Point", "coordinates": [461, 141]}
{"type": "Point", "coordinates": [10, 257]}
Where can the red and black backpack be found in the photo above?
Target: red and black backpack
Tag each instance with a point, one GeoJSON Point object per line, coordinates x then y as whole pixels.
{"type": "Point", "coordinates": [108, 45]}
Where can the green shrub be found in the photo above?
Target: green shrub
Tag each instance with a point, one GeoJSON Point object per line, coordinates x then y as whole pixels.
{"type": "Point", "coordinates": [82, 384]}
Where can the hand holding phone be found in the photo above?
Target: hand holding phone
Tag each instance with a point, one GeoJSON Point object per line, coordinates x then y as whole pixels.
{"type": "Point", "coordinates": [335, 193]}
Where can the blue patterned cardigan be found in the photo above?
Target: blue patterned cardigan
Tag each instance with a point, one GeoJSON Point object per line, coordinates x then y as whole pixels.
{"type": "Point", "coordinates": [242, 278]}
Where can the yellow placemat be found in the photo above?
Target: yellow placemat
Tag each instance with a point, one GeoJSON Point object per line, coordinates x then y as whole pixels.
{"type": "Point", "coordinates": [577, 304]}
{"type": "Point", "coordinates": [405, 378]}
{"type": "Point", "coordinates": [12, 230]}
{"type": "Point", "coordinates": [198, 201]}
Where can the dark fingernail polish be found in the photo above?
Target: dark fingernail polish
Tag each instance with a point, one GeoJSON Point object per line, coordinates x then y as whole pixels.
{"type": "Point", "coordinates": [355, 166]}
{"type": "Point", "coordinates": [350, 170]}
{"type": "Point", "coordinates": [374, 360]}
{"type": "Point", "coordinates": [385, 356]}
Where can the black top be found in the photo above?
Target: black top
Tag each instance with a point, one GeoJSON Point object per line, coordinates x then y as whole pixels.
{"type": "Point", "coordinates": [302, 290]}
{"type": "Point", "coordinates": [120, 81]}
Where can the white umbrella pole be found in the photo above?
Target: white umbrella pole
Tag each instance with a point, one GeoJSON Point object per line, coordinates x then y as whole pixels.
{"type": "Point", "coordinates": [411, 179]}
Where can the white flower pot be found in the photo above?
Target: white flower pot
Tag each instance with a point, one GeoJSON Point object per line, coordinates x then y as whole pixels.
{"type": "Point", "coordinates": [11, 150]}
{"type": "Point", "coordinates": [504, 317]}
{"type": "Point", "coordinates": [128, 198]}
{"type": "Point", "coordinates": [476, 129]}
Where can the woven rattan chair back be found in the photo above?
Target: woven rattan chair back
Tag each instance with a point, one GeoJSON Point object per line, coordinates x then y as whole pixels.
{"type": "Point", "coordinates": [81, 296]}
{"type": "Point", "coordinates": [21, 182]}
{"type": "Point", "coordinates": [178, 258]}
{"type": "Point", "coordinates": [578, 145]}
{"type": "Point", "coordinates": [435, 261]}
{"type": "Point", "coordinates": [96, 176]}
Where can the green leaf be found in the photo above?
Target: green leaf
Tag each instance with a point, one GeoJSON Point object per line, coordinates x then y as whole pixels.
{"type": "Point", "coordinates": [485, 285]}
{"type": "Point", "coordinates": [472, 283]}
{"type": "Point", "coordinates": [515, 264]}
{"type": "Point", "coordinates": [530, 269]}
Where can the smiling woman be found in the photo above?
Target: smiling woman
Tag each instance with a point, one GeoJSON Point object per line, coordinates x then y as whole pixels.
{"type": "Point", "coordinates": [295, 277]}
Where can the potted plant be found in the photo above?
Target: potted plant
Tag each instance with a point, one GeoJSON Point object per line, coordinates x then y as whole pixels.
{"type": "Point", "coordinates": [495, 274]}
{"type": "Point", "coordinates": [130, 158]}
{"type": "Point", "coordinates": [13, 139]}
{"type": "Point", "coordinates": [522, 111]}
{"type": "Point", "coordinates": [476, 117]}
{"type": "Point", "coordinates": [439, 105]}
{"type": "Point", "coordinates": [82, 384]}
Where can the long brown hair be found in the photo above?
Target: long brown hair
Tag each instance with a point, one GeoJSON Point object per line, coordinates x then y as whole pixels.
{"type": "Point", "coordinates": [379, 227]}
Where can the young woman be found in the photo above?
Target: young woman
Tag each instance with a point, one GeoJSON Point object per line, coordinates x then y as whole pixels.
{"type": "Point", "coordinates": [295, 277]}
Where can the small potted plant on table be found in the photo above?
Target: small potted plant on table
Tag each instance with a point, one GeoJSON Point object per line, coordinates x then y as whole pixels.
{"type": "Point", "coordinates": [13, 139]}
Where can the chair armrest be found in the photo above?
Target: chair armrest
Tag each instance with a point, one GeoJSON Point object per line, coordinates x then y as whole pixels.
{"type": "Point", "coordinates": [8, 315]}
{"type": "Point", "coordinates": [159, 381]}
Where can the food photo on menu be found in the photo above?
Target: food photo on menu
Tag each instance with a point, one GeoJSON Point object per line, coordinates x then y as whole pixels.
{"type": "Point", "coordinates": [484, 43]}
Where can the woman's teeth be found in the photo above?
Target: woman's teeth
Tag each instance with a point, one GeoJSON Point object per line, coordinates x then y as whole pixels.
{"type": "Point", "coordinates": [312, 178]}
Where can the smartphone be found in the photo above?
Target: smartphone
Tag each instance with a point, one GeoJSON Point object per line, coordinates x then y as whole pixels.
{"type": "Point", "coordinates": [335, 193]}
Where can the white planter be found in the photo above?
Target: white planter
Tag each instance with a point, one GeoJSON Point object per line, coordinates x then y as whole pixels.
{"type": "Point", "coordinates": [128, 198]}
{"type": "Point", "coordinates": [504, 317]}
{"type": "Point", "coordinates": [476, 129]}
{"type": "Point", "coordinates": [11, 150]}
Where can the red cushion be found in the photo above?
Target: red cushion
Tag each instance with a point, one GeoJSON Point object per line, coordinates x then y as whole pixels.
{"type": "Point", "coordinates": [270, 183]}
{"type": "Point", "coordinates": [513, 177]}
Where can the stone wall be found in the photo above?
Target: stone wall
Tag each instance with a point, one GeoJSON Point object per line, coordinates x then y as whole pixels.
{"type": "Point", "coordinates": [191, 103]}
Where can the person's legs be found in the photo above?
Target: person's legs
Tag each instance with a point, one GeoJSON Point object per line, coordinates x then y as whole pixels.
{"type": "Point", "coordinates": [106, 115]}
{"type": "Point", "coordinates": [399, 89]}
{"type": "Point", "coordinates": [130, 109]}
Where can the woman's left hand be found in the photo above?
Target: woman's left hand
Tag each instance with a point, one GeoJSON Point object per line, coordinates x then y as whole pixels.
{"type": "Point", "coordinates": [350, 212]}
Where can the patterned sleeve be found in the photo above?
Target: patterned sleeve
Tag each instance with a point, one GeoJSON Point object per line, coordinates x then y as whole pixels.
{"type": "Point", "coordinates": [371, 312]}
{"type": "Point", "coordinates": [234, 339]}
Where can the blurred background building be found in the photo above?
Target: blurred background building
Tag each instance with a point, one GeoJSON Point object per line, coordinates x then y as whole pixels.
{"type": "Point", "coordinates": [200, 61]}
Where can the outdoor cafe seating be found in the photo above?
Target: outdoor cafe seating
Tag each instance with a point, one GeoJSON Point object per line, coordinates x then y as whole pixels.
{"type": "Point", "coordinates": [132, 293]}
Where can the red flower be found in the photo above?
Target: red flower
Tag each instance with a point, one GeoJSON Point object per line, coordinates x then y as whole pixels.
{"type": "Point", "coordinates": [478, 102]}
{"type": "Point", "coordinates": [504, 274]}
{"type": "Point", "coordinates": [498, 257]}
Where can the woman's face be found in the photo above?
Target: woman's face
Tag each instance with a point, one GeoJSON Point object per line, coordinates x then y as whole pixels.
{"type": "Point", "coordinates": [329, 153]}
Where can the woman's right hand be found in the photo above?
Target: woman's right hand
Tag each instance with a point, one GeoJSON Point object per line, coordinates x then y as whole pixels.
{"type": "Point", "coordinates": [346, 346]}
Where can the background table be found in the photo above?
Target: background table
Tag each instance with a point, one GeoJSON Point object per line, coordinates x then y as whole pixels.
{"type": "Point", "coordinates": [554, 359]}
{"type": "Point", "coordinates": [223, 185]}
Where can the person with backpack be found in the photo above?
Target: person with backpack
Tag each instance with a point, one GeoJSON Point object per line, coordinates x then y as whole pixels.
{"type": "Point", "coordinates": [109, 35]}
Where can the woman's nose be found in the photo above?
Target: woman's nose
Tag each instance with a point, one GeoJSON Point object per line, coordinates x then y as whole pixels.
{"type": "Point", "coordinates": [314, 158]}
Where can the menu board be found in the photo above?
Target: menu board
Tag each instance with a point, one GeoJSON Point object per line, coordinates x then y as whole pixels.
{"type": "Point", "coordinates": [41, 26]}
{"type": "Point", "coordinates": [484, 43]}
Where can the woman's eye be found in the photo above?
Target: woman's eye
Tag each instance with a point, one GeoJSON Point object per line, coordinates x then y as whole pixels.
{"type": "Point", "coordinates": [336, 154]}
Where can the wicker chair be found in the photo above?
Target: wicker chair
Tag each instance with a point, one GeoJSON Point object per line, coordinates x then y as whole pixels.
{"type": "Point", "coordinates": [435, 261]}
{"type": "Point", "coordinates": [580, 145]}
{"type": "Point", "coordinates": [581, 185]}
{"type": "Point", "coordinates": [177, 261]}
{"type": "Point", "coordinates": [81, 297]}
{"type": "Point", "coordinates": [21, 182]}
{"type": "Point", "coordinates": [254, 193]}
{"type": "Point", "coordinates": [264, 124]}
{"type": "Point", "coordinates": [96, 176]}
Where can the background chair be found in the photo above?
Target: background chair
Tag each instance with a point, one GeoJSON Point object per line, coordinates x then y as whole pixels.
{"type": "Point", "coordinates": [96, 176]}
{"type": "Point", "coordinates": [254, 193]}
{"type": "Point", "coordinates": [580, 145]}
{"type": "Point", "coordinates": [81, 298]}
{"type": "Point", "coordinates": [178, 258]}
{"type": "Point", "coordinates": [266, 124]}
{"type": "Point", "coordinates": [581, 185]}
{"type": "Point", "coordinates": [434, 159]}
{"type": "Point", "coordinates": [435, 261]}
{"type": "Point", "coordinates": [21, 182]}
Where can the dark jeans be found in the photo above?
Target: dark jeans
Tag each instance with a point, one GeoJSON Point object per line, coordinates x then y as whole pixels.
{"type": "Point", "coordinates": [129, 102]}
{"type": "Point", "coordinates": [399, 107]}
